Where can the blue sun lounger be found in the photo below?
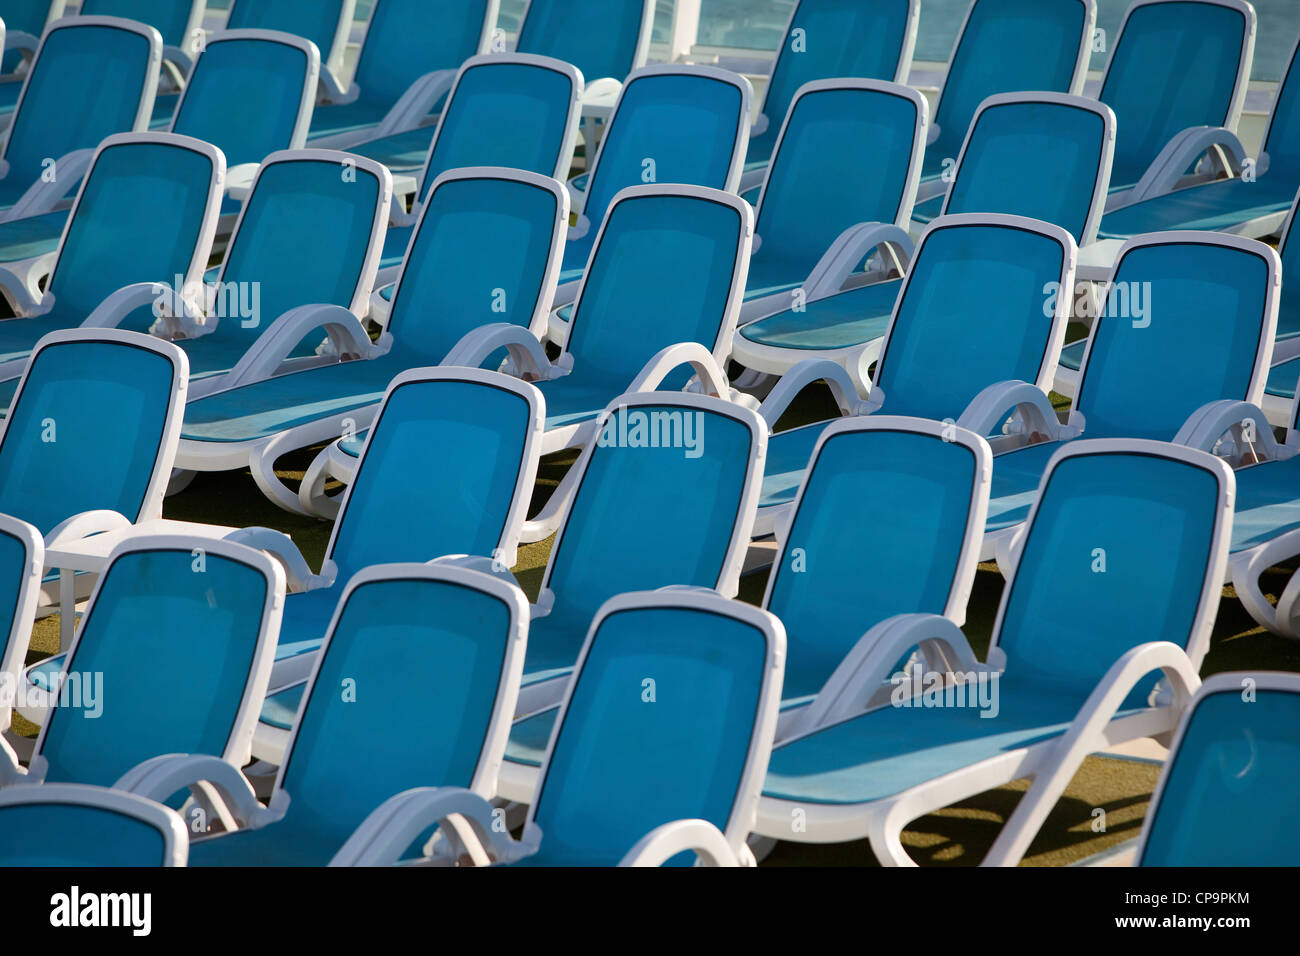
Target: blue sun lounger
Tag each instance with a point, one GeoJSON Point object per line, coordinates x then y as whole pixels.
{"type": "Point", "coordinates": [1005, 46]}
{"type": "Point", "coordinates": [173, 656]}
{"type": "Point", "coordinates": [1177, 301]}
{"type": "Point", "coordinates": [408, 59]}
{"type": "Point", "coordinates": [1218, 801]}
{"type": "Point", "coordinates": [657, 309]}
{"type": "Point", "coordinates": [107, 245]}
{"type": "Point", "coordinates": [665, 774]}
{"type": "Point", "coordinates": [974, 308]}
{"type": "Point", "coordinates": [1253, 200]}
{"type": "Point", "coordinates": [24, 25]}
{"type": "Point", "coordinates": [1100, 632]}
{"type": "Point", "coordinates": [326, 23]}
{"type": "Point", "coordinates": [1041, 155]}
{"type": "Point", "coordinates": [57, 123]}
{"type": "Point", "coordinates": [474, 221]}
{"type": "Point", "coordinates": [439, 719]}
{"type": "Point", "coordinates": [507, 110]}
{"type": "Point", "coordinates": [83, 826]}
{"type": "Point", "coordinates": [178, 22]}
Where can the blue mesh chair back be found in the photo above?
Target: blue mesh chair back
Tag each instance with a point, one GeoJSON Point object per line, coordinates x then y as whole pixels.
{"type": "Point", "coordinates": [109, 402]}
{"type": "Point", "coordinates": [1007, 46]}
{"type": "Point", "coordinates": [1119, 552]}
{"type": "Point", "coordinates": [171, 18]}
{"type": "Point", "coordinates": [71, 825]}
{"type": "Point", "coordinates": [1223, 800]}
{"type": "Point", "coordinates": [915, 491]}
{"type": "Point", "coordinates": [505, 113]}
{"type": "Point", "coordinates": [468, 442]}
{"type": "Point", "coordinates": [315, 20]}
{"type": "Point", "coordinates": [1037, 158]}
{"type": "Point", "coordinates": [624, 763]}
{"type": "Point", "coordinates": [481, 254]}
{"type": "Point", "coordinates": [665, 271]}
{"type": "Point", "coordinates": [601, 39]}
{"type": "Point", "coordinates": [60, 111]}
{"type": "Point", "coordinates": [971, 313]}
{"type": "Point", "coordinates": [830, 38]}
{"type": "Point", "coordinates": [1175, 306]}
{"type": "Point", "coordinates": [233, 72]}
{"type": "Point", "coordinates": [1177, 64]}
{"type": "Point", "coordinates": [170, 647]}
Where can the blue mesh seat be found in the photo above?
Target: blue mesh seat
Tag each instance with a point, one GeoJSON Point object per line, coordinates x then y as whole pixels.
{"type": "Point", "coordinates": [404, 61]}
{"type": "Point", "coordinates": [1006, 46]}
{"type": "Point", "coordinates": [75, 825]}
{"type": "Point", "coordinates": [1236, 752]}
{"type": "Point", "coordinates": [627, 771]}
{"type": "Point", "coordinates": [1126, 548]}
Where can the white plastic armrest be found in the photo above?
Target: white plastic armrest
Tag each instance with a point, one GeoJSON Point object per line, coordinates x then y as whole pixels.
{"type": "Point", "coordinates": [526, 353]}
{"type": "Point", "coordinates": [159, 778]}
{"type": "Point", "coordinates": [298, 574]}
{"type": "Point", "coordinates": [84, 525]}
{"type": "Point", "coordinates": [1172, 163]}
{"type": "Point", "coordinates": [1032, 410]}
{"type": "Point", "coordinates": [416, 103]}
{"type": "Point", "coordinates": [331, 92]}
{"type": "Point", "coordinates": [1008, 550]}
{"type": "Point", "coordinates": [400, 820]}
{"type": "Point", "coordinates": [850, 248]}
{"type": "Point", "coordinates": [859, 677]}
{"type": "Point", "coordinates": [1250, 435]}
{"type": "Point", "coordinates": [807, 372]}
{"type": "Point", "coordinates": [1086, 735]}
{"type": "Point", "coordinates": [664, 842]}
{"type": "Point", "coordinates": [1282, 619]}
{"type": "Point", "coordinates": [347, 337]}
{"type": "Point", "coordinates": [22, 41]}
{"type": "Point", "coordinates": [178, 317]}
{"type": "Point", "coordinates": [184, 62]}
{"type": "Point", "coordinates": [602, 88]}
{"type": "Point", "coordinates": [11, 771]}
{"type": "Point", "coordinates": [751, 179]}
{"type": "Point", "coordinates": [21, 300]}
{"type": "Point", "coordinates": [711, 377]}
{"type": "Point", "coordinates": [43, 196]}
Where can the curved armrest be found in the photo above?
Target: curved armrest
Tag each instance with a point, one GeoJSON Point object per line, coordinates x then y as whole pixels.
{"type": "Point", "coordinates": [281, 547]}
{"type": "Point", "coordinates": [159, 778]}
{"type": "Point", "coordinates": [697, 836]}
{"type": "Point", "coordinates": [1087, 734]}
{"type": "Point", "coordinates": [1282, 619]}
{"type": "Point", "coordinates": [416, 103]}
{"type": "Point", "coordinates": [864, 670]}
{"type": "Point", "coordinates": [526, 353]}
{"type": "Point", "coordinates": [182, 60]}
{"type": "Point", "coordinates": [1172, 163]}
{"type": "Point", "coordinates": [84, 525]}
{"type": "Point", "coordinates": [177, 315]}
{"type": "Point", "coordinates": [842, 387]}
{"type": "Point", "coordinates": [601, 88]}
{"type": "Point", "coordinates": [44, 195]}
{"type": "Point", "coordinates": [712, 379]}
{"type": "Point", "coordinates": [1029, 404]}
{"type": "Point", "coordinates": [850, 248]}
{"type": "Point", "coordinates": [332, 93]}
{"type": "Point", "coordinates": [1249, 432]}
{"type": "Point", "coordinates": [22, 42]}
{"type": "Point", "coordinates": [398, 822]}
{"type": "Point", "coordinates": [346, 336]}
{"type": "Point", "coordinates": [25, 302]}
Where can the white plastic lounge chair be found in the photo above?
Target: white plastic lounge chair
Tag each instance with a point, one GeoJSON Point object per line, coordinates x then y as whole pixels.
{"type": "Point", "coordinates": [695, 458]}
{"type": "Point", "coordinates": [1177, 301]}
{"type": "Point", "coordinates": [1005, 46]}
{"type": "Point", "coordinates": [475, 503]}
{"type": "Point", "coordinates": [57, 123]}
{"type": "Point", "coordinates": [83, 826]}
{"type": "Point", "coordinates": [327, 23]}
{"type": "Point", "coordinates": [974, 308]}
{"type": "Point", "coordinates": [1220, 800]}
{"type": "Point", "coordinates": [408, 59]}
{"type": "Point", "coordinates": [1118, 584]}
{"type": "Point", "coordinates": [438, 719]}
{"type": "Point", "coordinates": [24, 25]}
{"type": "Point", "coordinates": [475, 220]}
{"type": "Point", "coordinates": [628, 782]}
{"type": "Point", "coordinates": [107, 245]}
{"type": "Point", "coordinates": [656, 309]}
{"type": "Point", "coordinates": [309, 236]}
{"type": "Point", "coordinates": [173, 656]}
{"type": "Point", "coordinates": [507, 110]}
{"type": "Point", "coordinates": [1042, 155]}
